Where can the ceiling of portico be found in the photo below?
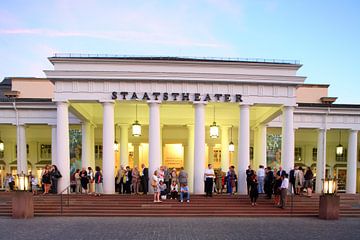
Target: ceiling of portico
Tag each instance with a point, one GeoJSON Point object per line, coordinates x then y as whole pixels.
{"type": "Point", "coordinates": [175, 114]}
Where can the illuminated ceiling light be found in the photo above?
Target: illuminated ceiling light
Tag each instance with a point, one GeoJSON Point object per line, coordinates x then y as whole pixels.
{"type": "Point", "coordinates": [214, 129]}
{"type": "Point", "coordinates": [2, 146]}
{"type": "Point", "coordinates": [136, 127]}
{"type": "Point", "coordinates": [231, 144]}
{"type": "Point", "coordinates": [339, 148]}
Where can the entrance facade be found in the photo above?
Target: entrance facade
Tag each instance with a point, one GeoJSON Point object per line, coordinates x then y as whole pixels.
{"type": "Point", "coordinates": [176, 101]}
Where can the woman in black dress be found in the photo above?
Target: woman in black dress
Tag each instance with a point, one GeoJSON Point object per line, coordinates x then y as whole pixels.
{"type": "Point", "coordinates": [46, 180]}
{"type": "Point", "coordinates": [84, 180]}
{"type": "Point", "coordinates": [254, 194]}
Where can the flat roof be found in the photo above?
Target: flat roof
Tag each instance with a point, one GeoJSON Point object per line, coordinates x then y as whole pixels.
{"type": "Point", "coordinates": [173, 58]}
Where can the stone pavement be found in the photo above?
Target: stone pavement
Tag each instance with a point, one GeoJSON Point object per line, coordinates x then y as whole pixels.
{"type": "Point", "coordinates": [74, 228]}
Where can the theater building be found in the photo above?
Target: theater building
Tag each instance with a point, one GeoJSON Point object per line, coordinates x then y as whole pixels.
{"type": "Point", "coordinates": [190, 112]}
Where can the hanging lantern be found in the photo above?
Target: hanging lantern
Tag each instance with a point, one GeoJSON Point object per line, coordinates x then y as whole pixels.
{"type": "Point", "coordinates": [231, 144]}
{"type": "Point", "coordinates": [116, 146]}
{"type": "Point", "coordinates": [231, 147]}
{"type": "Point", "coordinates": [2, 146]}
{"type": "Point", "coordinates": [339, 148]}
{"type": "Point", "coordinates": [136, 127]}
{"type": "Point", "coordinates": [214, 130]}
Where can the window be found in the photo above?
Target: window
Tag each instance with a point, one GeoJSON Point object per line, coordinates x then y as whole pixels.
{"type": "Point", "coordinates": [45, 151]}
{"type": "Point", "coordinates": [314, 154]}
{"type": "Point", "coordinates": [298, 157]}
{"type": "Point", "coordinates": [217, 155]}
{"type": "Point", "coordinates": [98, 152]}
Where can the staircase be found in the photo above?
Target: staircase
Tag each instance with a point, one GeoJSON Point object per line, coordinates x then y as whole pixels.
{"type": "Point", "coordinates": [143, 206]}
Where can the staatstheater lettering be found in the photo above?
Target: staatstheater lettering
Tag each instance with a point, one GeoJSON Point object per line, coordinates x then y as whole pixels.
{"type": "Point", "coordinates": [176, 97]}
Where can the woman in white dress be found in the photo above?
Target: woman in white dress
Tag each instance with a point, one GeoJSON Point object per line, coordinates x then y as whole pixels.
{"type": "Point", "coordinates": [299, 180]}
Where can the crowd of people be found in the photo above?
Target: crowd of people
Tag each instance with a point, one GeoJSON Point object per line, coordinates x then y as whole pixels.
{"type": "Point", "coordinates": [172, 184]}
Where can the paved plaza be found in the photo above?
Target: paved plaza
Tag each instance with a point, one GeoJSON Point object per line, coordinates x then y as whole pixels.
{"type": "Point", "coordinates": [178, 228]}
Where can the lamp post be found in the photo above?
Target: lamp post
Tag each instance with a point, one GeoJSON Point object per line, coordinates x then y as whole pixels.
{"type": "Point", "coordinates": [22, 200]}
{"type": "Point", "coordinates": [329, 204]}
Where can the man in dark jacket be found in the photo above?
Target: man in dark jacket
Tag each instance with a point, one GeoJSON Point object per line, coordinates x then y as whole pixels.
{"type": "Point", "coordinates": [145, 178]}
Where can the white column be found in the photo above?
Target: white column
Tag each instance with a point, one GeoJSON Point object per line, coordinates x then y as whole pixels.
{"type": "Point", "coordinates": [108, 148]}
{"type": "Point", "coordinates": [288, 139]}
{"type": "Point", "coordinates": [22, 166]}
{"type": "Point", "coordinates": [86, 144]}
{"type": "Point", "coordinates": [321, 160]}
{"type": "Point", "coordinates": [244, 147]}
{"type": "Point", "coordinates": [154, 138]}
{"type": "Point", "coordinates": [351, 162]}
{"type": "Point", "coordinates": [210, 153]}
{"type": "Point", "coordinates": [124, 140]}
{"type": "Point", "coordinates": [62, 145]}
{"type": "Point", "coordinates": [92, 146]}
{"type": "Point", "coordinates": [189, 161]}
{"type": "Point", "coordinates": [225, 148]}
{"type": "Point", "coordinates": [199, 145]}
{"type": "Point", "coordinates": [136, 155]}
{"type": "Point", "coordinates": [260, 146]}
{"type": "Point", "coordinates": [53, 145]}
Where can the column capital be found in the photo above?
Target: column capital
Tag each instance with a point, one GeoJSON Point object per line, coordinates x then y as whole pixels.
{"type": "Point", "coordinates": [106, 101]}
{"type": "Point", "coordinates": [242, 104]}
{"type": "Point", "coordinates": [62, 102]}
{"type": "Point", "coordinates": [353, 130]}
{"type": "Point", "coordinates": [123, 125]}
{"type": "Point", "coordinates": [197, 103]}
{"type": "Point", "coordinates": [152, 102]}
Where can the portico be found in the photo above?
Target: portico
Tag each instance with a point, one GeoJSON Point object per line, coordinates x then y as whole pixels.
{"type": "Point", "coordinates": [175, 101]}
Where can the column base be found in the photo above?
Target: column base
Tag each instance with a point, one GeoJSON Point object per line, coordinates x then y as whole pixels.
{"type": "Point", "coordinates": [329, 207]}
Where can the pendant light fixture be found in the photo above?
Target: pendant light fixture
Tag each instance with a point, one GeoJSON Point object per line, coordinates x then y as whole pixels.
{"type": "Point", "coordinates": [116, 144]}
{"type": "Point", "coordinates": [214, 129]}
{"type": "Point", "coordinates": [136, 127]}
{"type": "Point", "coordinates": [339, 148]}
{"type": "Point", "coordinates": [231, 144]}
{"type": "Point", "coordinates": [2, 146]}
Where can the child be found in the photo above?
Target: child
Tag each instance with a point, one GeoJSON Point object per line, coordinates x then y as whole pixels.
{"type": "Point", "coordinates": [174, 190]}
{"type": "Point", "coordinates": [184, 191]}
{"type": "Point", "coordinates": [34, 185]}
{"type": "Point", "coordinates": [162, 188]}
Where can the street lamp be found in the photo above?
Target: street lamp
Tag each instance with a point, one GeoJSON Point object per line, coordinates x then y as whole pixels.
{"type": "Point", "coordinates": [329, 186]}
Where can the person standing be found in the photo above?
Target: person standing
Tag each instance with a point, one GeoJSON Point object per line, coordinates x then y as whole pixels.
{"type": "Point", "coordinates": [46, 180]}
{"type": "Point", "coordinates": [209, 180]}
{"type": "Point", "coordinates": [308, 181]}
{"type": "Point", "coordinates": [127, 178]}
{"type": "Point", "coordinates": [183, 176]}
{"type": "Point", "coordinates": [78, 181]}
{"type": "Point", "coordinates": [55, 175]}
{"type": "Point", "coordinates": [84, 180]}
{"type": "Point", "coordinates": [268, 182]}
{"type": "Point", "coordinates": [91, 176]}
{"type": "Point", "coordinates": [299, 180]}
{"type": "Point", "coordinates": [135, 179]}
{"type": "Point", "coordinates": [231, 180]}
{"type": "Point", "coordinates": [98, 182]}
{"type": "Point", "coordinates": [283, 190]}
{"type": "Point", "coordinates": [292, 180]}
{"type": "Point", "coordinates": [249, 173]}
{"type": "Point", "coordinates": [155, 186]}
{"type": "Point", "coordinates": [260, 178]}
{"type": "Point", "coordinates": [254, 190]}
{"type": "Point", "coordinates": [145, 178]}
{"type": "Point", "coordinates": [120, 179]}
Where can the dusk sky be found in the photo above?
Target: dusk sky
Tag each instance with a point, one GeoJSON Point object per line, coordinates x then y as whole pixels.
{"type": "Point", "coordinates": [324, 34]}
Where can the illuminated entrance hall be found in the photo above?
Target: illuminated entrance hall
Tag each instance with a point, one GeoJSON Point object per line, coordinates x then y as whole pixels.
{"type": "Point", "coordinates": [263, 108]}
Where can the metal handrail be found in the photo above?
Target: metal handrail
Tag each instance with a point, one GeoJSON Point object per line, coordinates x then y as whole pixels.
{"type": "Point", "coordinates": [61, 198]}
